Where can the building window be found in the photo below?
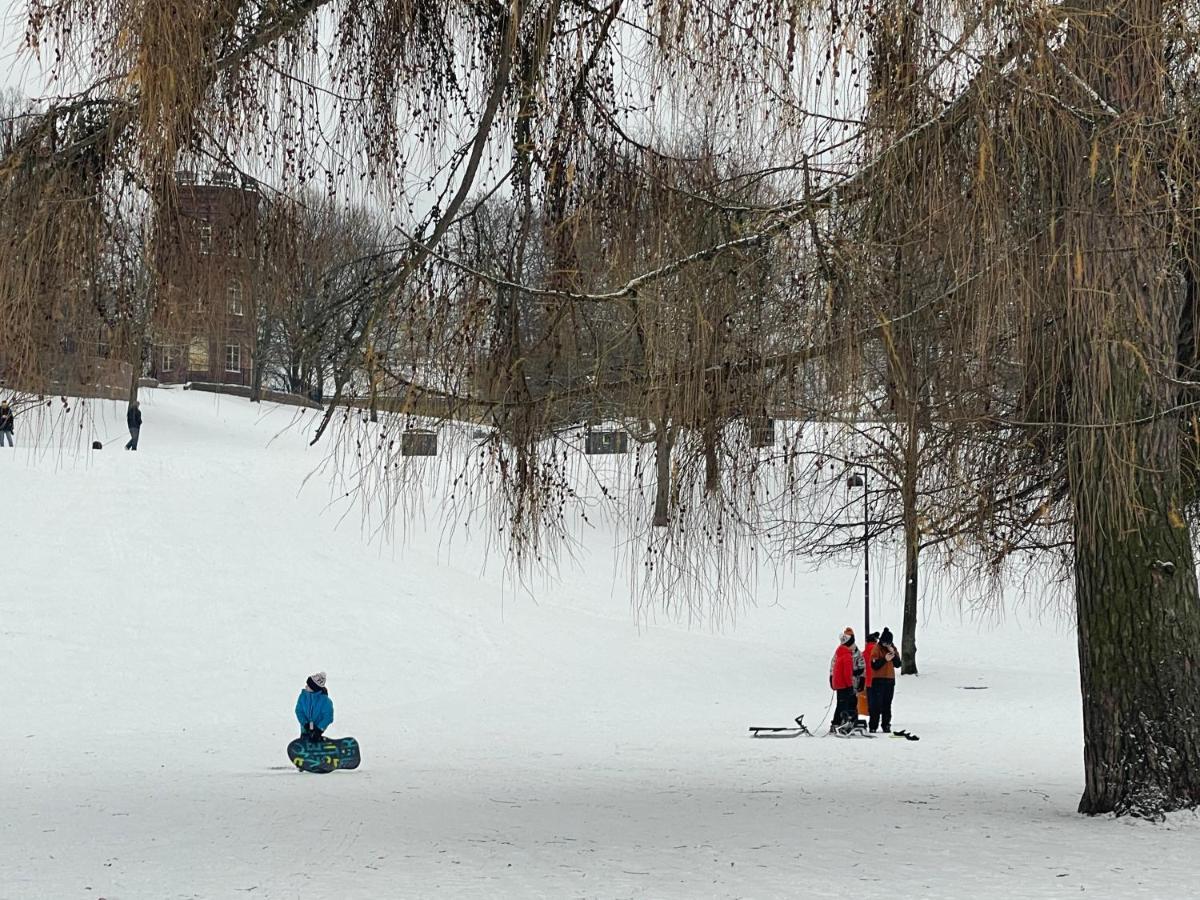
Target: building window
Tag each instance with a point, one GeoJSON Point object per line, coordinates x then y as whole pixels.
{"type": "Point", "coordinates": [235, 298]}
{"type": "Point", "coordinates": [233, 358]}
{"type": "Point", "coordinates": [198, 354]}
{"type": "Point", "coordinates": [206, 237]}
{"type": "Point", "coordinates": [170, 359]}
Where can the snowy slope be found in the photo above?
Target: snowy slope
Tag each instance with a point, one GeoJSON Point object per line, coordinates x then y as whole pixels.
{"type": "Point", "coordinates": [159, 611]}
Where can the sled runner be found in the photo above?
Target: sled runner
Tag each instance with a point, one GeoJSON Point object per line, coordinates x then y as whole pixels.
{"type": "Point", "coordinates": [780, 731]}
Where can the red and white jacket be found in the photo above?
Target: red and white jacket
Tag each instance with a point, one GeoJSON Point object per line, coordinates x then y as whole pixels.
{"type": "Point", "coordinates": [841, 668]}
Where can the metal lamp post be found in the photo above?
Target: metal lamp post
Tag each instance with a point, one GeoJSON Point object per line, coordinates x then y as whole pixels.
{"type": "Point", "coordinates": [854, 481]}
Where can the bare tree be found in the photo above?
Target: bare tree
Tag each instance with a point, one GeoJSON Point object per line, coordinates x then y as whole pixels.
{"type": "Point", "coordinates": [319, 258]}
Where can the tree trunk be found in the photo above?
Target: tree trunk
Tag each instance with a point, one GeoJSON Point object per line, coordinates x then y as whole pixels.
{"type": "Point", "coordinates": [133, 385]}
{"type": "Point", "coordinates": [894, 106]}
{"type": "Point", "coordinates": [308, 375]}
{"type": "Point", "coordinates": [712, 468]}
{"type": "Point", "coordinates": [256, 382]}
{"type": "Point", "coordinates": [1136, 594]}
{"type": "Point", "coordinates": [1138, 634]}
{"type": "Point", "coordinates": [262, 340]}
{"type": "Point", "coordinates": [135, 364]}
{"type": "Point", "coordinates": [908, 642]}
{"type": "Point", "coordinates": [664, 441]}
{"type": "Point", "coordinates": [373, 378]}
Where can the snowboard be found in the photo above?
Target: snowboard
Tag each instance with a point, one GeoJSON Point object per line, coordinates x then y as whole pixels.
{"type": "Point", "coordinates": [324, 756]}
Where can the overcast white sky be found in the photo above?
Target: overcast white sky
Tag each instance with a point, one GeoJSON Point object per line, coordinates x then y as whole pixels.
{"type": "Point", "coordinates": [760, 139]}
{"type": "Point", "coordinates": [19, 72]}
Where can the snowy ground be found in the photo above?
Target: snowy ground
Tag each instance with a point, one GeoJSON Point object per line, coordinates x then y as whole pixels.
{"type": "Point", "coordinates": [159, 611]}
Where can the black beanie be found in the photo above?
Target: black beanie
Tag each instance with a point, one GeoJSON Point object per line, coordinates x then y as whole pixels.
{"type": "Point", "coordinates": [886, 637]}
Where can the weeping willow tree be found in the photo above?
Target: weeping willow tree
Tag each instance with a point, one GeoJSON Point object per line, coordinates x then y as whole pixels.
{"type": "Point", "coordinates": [1004, 188]}
{"type": "Point", "coordinates": [1048, 188]}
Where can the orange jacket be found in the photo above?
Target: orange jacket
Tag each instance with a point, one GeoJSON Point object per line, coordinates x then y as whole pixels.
{"type": "Point", "coordinates": [879, 666]}
{"type": "Point", "coordinates": [869, 656]}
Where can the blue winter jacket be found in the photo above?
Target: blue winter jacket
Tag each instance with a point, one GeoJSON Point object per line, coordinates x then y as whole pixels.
{"type": "Point", "coordinates": [315, 708]}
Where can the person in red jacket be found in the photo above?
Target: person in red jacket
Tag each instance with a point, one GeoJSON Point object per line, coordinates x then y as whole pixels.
{"type": "Point", "coordinates": [841, 679]}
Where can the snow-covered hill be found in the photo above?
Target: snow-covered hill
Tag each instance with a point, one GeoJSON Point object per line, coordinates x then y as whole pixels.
{"type": "Point", "coordinates": [160, 610]}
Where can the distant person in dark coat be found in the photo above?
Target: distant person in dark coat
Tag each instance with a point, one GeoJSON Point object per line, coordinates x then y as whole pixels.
{"type": "Point", "coordinates": [134, 420]}
{"type": "Point", "coordinates": [883, 661]}
{"type": "Point", "coordinates": [6, 423]}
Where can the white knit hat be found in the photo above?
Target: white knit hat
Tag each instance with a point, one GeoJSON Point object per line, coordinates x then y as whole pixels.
{"type": "Point", "coordinates": [318, 679]}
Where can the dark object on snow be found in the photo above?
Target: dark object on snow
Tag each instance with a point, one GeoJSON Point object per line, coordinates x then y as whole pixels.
{"type": "Point", "coordinates": [762, 432]}
{"type": "Point", "coordinates": [324, 756]}
{"type": "Point", "coordinates": [96, 445]}
{"type": "Point", "coordinates": [419, 442]}
{"type": "Point", "coordinates": [606, 441]}
{"type": "Point", "coordinates": [907, 735]}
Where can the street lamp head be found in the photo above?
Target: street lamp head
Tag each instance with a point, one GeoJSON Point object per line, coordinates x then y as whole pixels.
{"type": "Point", "coordinates": [854, 481]}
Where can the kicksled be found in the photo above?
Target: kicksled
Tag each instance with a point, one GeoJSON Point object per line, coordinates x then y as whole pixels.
{"type": "Point", "coordinates": [851, 731]}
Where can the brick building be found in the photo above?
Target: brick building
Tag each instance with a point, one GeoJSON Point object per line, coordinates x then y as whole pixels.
{"type": "Point", "coordinates": [204, 327]}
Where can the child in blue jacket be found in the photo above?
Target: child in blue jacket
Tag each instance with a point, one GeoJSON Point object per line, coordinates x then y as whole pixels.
{"type": "Point", "coordinates": [314, 709]}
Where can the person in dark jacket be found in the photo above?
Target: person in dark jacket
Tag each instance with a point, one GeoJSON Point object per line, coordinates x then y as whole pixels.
{"type": "Point", "coordinates": [864, 697]}
{"type": "Point", "coordinates": [6, 423]}
{"type": "Point", "coordinates": [883, 660]}
{"type": "Point", "coordinates": [314, 709]}
{"type": "Point", "coordinates": [842, 677]}
{"type": "Point", "coordinates": [134, 419]}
